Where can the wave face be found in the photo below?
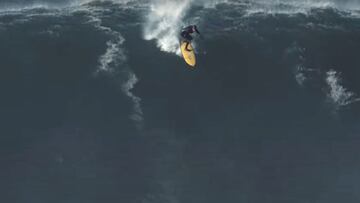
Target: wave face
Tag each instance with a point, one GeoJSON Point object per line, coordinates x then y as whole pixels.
{"type": "Point", "coordinates": [97, 106]}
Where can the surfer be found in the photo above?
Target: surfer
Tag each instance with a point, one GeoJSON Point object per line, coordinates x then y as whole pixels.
{"type": "Point", "coordinates": [186, 34]}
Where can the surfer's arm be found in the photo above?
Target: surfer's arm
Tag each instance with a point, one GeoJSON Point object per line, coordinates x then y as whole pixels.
{"type": "Point", "coordinates": [197, 31]}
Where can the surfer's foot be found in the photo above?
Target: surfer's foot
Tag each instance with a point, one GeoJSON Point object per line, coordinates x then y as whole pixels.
{"type": "Point", "coordinates": [188, 49]}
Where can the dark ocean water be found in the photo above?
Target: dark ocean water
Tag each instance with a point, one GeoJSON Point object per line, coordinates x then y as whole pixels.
{"type": "Point", "coordinates": [96, 106]}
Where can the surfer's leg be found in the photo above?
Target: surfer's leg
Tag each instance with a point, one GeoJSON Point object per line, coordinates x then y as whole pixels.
{"type": "Point", "coordinates": [186, 47]}
{"type": "Point", "coordinates": [188, 40]}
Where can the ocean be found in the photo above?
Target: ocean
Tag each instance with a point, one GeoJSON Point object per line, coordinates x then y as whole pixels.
{"type": "Point", "coordinates": [98, 106]}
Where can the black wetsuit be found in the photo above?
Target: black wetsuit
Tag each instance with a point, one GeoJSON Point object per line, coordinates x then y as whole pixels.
{"type": "Point", "coordinates": [186, 34]}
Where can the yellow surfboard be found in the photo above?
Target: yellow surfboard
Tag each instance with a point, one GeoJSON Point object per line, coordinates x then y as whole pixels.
{"type": "Point", "coordinates": [189, 56]}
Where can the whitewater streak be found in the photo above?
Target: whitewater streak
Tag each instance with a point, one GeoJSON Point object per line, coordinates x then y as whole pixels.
{"type": "Point", "coordinates": [339, 95]}
{"type": "Point", "coordinates": [112, 58]}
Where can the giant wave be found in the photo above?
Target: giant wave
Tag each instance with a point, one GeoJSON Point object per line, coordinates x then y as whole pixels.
{"type": "Point", "coordinates": [97, 101]}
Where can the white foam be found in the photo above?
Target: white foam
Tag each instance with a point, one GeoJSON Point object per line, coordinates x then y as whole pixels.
{"type": "Point", "coordinates": [113, 55]}
{"type": "Point", "coordinates": [338, 94]}
{"type": "Point", "coordinates": [127, 87]}
{"type": "Point", "coordinates": [163, 23]}
{"type": "Point", "coordinates": [165, 19]}
{"type": "Point", "coordinates": [212, 3]}
{"type": "Point", "coordinates": [300, 75]}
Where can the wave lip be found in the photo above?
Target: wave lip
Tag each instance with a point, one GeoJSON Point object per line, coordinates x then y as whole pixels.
{"type": "Point", "coordinates": [291, 7]}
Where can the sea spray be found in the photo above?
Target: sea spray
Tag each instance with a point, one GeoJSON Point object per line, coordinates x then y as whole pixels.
{"type": "Point", "coordinates": [164, 22]}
